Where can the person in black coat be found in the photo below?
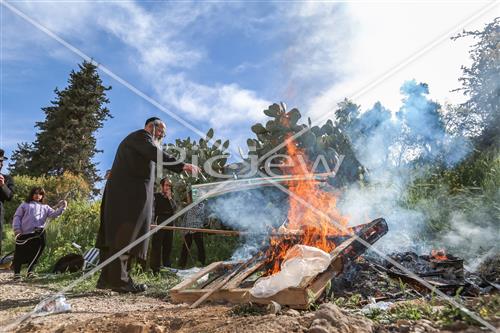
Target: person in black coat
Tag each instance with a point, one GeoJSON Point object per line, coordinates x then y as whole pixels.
{"type": "Point", "coordinates": [6, 193]}
{"type": "Point", "coordinates": [127, 203]}
{"type": "Point", "coordinates": [161, 244]}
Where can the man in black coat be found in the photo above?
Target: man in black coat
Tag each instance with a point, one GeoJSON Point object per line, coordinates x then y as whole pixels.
{"type": "Point", "coordinates": [127, 203]}
{"type": "Point", "coordinates": [6, 193]}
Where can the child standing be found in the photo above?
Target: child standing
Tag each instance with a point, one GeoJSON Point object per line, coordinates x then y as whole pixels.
{"type": "Point", "coordinates": [28, 225]}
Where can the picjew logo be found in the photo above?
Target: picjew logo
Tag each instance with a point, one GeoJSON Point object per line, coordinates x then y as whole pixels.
{"type": "Point", "coordinates": [252, 165]}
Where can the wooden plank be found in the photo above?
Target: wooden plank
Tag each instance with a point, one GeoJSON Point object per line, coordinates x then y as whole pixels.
{"type": "Point", "coordinates": [222, 283]}
{"type": "Point", "coordinates": [188, 282]}
{"type": "Point", "coordinates": [295, 298]}
{"type": "Point", "coordinates": [316, 288]}
{"type": "Point", "coordinates": [334, 255]}
{"type": "Point", "coordinates": [236, 281]}
{"type": "Point", "coordinates": [215, 282]}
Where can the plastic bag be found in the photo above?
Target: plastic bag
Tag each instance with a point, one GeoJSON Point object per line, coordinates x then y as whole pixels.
{"type": "Point", "coordinates": [52, 305]}
{"type": "Point", "coordinates": [382, 306]}
{"type": "Point", "coordinates": [185, 274]}
{"type": "Point", "coordinates": [300, 261]}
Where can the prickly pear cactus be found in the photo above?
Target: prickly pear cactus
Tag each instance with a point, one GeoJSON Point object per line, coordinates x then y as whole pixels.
{"type": "Point", "coordinates": [326, 141]}
{"type": "Point", "coordinates": [197, 152]}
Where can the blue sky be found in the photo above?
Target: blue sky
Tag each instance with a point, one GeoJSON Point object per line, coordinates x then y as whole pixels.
{"type": "Point", "coordinates": [219, 64]}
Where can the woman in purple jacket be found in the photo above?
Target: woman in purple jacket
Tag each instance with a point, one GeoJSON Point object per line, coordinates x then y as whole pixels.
{"type": "Point", "coordinates": [28, 225]}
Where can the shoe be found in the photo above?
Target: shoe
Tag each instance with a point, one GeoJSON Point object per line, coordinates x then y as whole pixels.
{"type": "Point", "coordinates": [133, 288]}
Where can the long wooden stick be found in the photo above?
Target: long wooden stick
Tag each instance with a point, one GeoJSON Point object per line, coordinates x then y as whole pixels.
{"type": "Point", "coordinates": [206, 231]}
{"type": "Point", "coordinates": [234, 232]}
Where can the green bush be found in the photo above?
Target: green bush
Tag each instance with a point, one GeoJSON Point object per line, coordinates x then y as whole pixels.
{"type": "Point", "coordinates": [79, 224]}
{"type": "Point", "coordinates": [66, 186]}
{"type": "Point", "coordinates": [468, 192]}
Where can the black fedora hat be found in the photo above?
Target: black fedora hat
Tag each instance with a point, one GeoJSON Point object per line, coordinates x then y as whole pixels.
{"type": "Point", "coordinates": [2, 157]}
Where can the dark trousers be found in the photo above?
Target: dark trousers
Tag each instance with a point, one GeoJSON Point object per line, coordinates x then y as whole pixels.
{"type": "Point", "coordinates": [116, 273]}
{"type": "Point", "coordinates": [161, 247]}
{"type": "Point", "coordinates": [1, 235]}
{"type": "Point", "coordinates": [29, 248]}
{"type": "Point", "coordinates": [186, 245]}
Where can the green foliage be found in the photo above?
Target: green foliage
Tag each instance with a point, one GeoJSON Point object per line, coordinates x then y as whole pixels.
{"type": "Point", "coordinates": [468, 191]}
{"type": "Point", "coordinates": [20, 159]}
{"type": "Point", "coordinates": [201, 153]}
{"type": "Point", "coordinates": [346, 115]}
{"type": "Point", "coordinates": [480, 84]}
{"type": "Point", "coordinates": [67, 186]}
{"type": "Point", "coordinates": [248, 309]}
{"type": "Point", "coordinates": [79, 224]}
{"type": "Point", "coordinates": [65, 141]}
{"type": "Point", "coordinates": [351, 302]}
{"type": "Point", "coordinates": [404, 311]}
{"type": "Point", "coordinates": [217, 248]}
{"type": "Point", "coordinates": [159, 285]}
{"type": "Point", "coordinates": [477, 176]}
{"type": "Point", "coordinates": [486, 306]}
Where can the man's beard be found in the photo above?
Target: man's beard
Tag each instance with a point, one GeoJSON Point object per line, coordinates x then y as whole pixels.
{"type": "Point", "coordinates": [157, 142]}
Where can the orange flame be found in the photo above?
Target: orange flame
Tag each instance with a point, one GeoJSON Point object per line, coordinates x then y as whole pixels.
{"type": "Point", "coordinates": [304, 221]}
{"type": "Point", "coordinates": [439, 255]}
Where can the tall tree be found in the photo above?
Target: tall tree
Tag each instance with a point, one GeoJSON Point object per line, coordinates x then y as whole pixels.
{"type": "Point", "coordinates": [20, 159]}
{"type": "Point", "coordinates": [346, 116]}
{"type": "Point", "coordinates": [481, 85]}
{"type": "Point", "coordinates": [422, 127]}
{"type": "Point", "coordinates": [65, 141]}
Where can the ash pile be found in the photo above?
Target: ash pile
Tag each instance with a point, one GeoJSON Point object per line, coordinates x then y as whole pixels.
{"type": "Point", "coordinates": [399, 276]}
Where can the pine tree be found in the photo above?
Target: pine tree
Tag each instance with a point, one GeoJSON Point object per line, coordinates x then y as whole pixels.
{"type": "Point", "coordinates": [65, 141]}
{"type": "Point", "coordinates": [20, 159]}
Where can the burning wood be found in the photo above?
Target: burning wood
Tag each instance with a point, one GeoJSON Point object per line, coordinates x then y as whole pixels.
{"type": "Point", "coordinates": [438, 255]}
{"type": "Point", "coordinates": [314, 221]}
{"type": "Point", "coordinates": [231, 282]}
{"type": "Point", "coordinates": [317, 222]}
{"type": "Point", "coordinates": [441, 270]}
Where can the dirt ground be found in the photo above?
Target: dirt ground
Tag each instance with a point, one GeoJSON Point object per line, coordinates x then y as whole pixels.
{"type": "Point", "coordinates": [104, 311]}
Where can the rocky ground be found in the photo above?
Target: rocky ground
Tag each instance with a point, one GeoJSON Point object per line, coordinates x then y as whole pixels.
{"type": "Point", "coordinates": [102, 311]}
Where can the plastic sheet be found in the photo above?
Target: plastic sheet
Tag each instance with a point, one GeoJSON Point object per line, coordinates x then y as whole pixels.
{"type": "Point", "coordinates": [300, 261]}
{"type": "Point", "coordinates": [187, 273]}
{"type": "Point", "coordinates": [52, 305]}
{"type": "Point", "coordinates": [382, 306]}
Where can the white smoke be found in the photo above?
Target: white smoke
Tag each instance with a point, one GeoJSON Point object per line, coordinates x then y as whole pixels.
{"type": "Point", "coordinates": [254, 211]}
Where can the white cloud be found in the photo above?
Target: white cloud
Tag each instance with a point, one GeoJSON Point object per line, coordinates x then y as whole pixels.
{"type": "Point", "coordinates": [162, 54]}
{"type": "Point", "coordinates": [359, 43]}
{"type": "Point", "coordinates": [221, 106]}
{"type": "Point", "coordinates": [330, 50]}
